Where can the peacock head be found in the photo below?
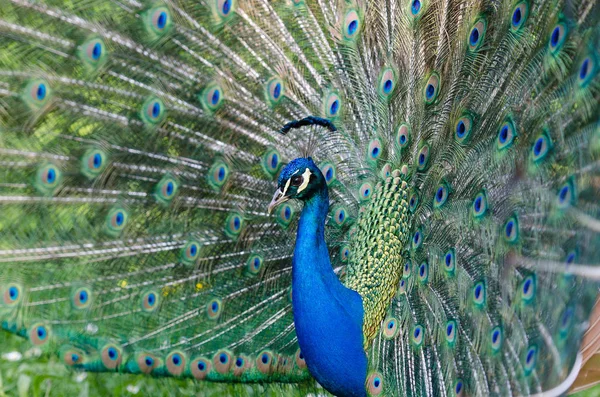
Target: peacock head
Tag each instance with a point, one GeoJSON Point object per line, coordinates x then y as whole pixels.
{"type": "Point", "coordinates": [301, 179]}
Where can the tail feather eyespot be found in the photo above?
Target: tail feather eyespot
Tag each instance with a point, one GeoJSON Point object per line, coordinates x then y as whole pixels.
{"type": "Point", "coordinates": [519, 16]}
{"type": "Point", "coordinates": [299, 358]}
{"type": "Point", "coordinates": [166, 189]}
{"type": "Point", "coordinates": [234, 225]}
{"type": "Point", "coordinates": [200, 368]}
{"type": "Point", "coordinates": [390, 328]}
{"type": "Point", "coordinates": [150, 301]}
{"type": "Point", "coordinates": [432, 88]}
{"type": "Point", "coordinates": [374, 150]}
{"type": "Point", "coordinates": [274, 90]}
{"type": "Point", "coordinates": [36, 94]}
{"type": "Point", "coordinates": [477, 35]}
{"type": "Point", "coordinates": [212, 97]}
{"type": "Point", "coordinates": [222, 361]}
{"type": "Point", "coordinates": [214, 308]}
{"type": "Point", "coordinates": [190, 252]}
{"type": "Point", "coordinates": [423, 158]}
{"type": "Point", "coordinates": [351, 25]}
{"type": "Point", "coordinates": [48, 178]}
{"type": "Point", "coordinates": [271, 162]}
{"type": "Point", "coordinates": [224, 8]}
{"type": "Point", "coordinates": [417, 335]}
{"type": "Point", "coordinates": [39, 334]}
{"type": "Point", "coordinates": [463, 128]}
{"type": "Point", "coordinates": [479, 294]}
{"type": "Point", "coordinates": [264, 361]}
{"type": "Point", "coordinates": [557, 37]}
{"type": "Point", "coordinates": [93, 163]}
{"type": "Point", "coordinates": [157, 22]}
{"type": "Point", "coordinates": [332, 105]}
{"type": "Point", "coordinates": [73, 357]}
{"type": "Point", "coordinates": [176, 363]}
{"type": "Point", "coordinates": [146, 362]}
{"type": "Point", "coordinates": [116, 220]}
{"type": "Point", "coordinates": [374, 384]}
{"type": "Point", "coordinates": [451, 333]}
{"type": "Point", "coordinates": [530, 359]}
{"type": "Point", "coordinates": [153, 111]}
{"type": "Point", "coordinates": [92, 53]}
{"type": "Point", "coordinates": [254, 264]}
{"type": "Point", "coordinates": [111, 356]}
{"type": "Point", "coordinates": [81, 298]}
{"type": "Point", "coordinates": [12, 294]}
{"type": "Point", "coordinates": [387, 83]}
{"type": "Point", "coordinates": [496, 339]}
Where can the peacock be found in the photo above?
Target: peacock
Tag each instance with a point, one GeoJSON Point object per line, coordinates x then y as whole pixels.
{"type": "Point", "coordinates": [394, 197]}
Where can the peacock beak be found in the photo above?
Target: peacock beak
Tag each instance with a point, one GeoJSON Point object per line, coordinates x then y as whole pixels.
{"type": "Point", "coordinates": [278, 198]}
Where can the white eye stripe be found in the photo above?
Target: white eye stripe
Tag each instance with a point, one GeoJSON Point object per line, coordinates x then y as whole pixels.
{"type": "Point", "coordinates": [306, 177]}
{"type": "Point", "coordinates": [287, 185]}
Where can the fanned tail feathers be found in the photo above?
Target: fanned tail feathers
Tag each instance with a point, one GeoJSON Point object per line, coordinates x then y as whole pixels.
{"type": "Point", "coordinates": [140, 141]}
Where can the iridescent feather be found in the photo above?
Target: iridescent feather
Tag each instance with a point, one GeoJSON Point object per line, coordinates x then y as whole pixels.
{"type": "Point", "coordinates": [458, 142]}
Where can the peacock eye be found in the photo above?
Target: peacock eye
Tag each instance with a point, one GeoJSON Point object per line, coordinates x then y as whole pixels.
{"type": "Point", "coordinates": [297, 180]}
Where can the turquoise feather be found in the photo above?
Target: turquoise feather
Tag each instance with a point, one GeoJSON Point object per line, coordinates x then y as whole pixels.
{"type": "Point", "coordinates": [435, 225]}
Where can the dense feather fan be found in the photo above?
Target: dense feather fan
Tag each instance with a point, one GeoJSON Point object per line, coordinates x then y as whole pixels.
{"type": "Point", "coordinates": [139, 144]}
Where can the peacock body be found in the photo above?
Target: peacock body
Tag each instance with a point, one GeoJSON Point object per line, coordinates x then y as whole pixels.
{"type": "Point", "coordinates": [435, 225]}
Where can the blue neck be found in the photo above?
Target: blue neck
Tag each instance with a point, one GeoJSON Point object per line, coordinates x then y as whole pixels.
{"type": "Point", "coordinates": [327, 315]}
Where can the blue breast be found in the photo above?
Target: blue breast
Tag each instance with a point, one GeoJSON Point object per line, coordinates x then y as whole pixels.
{"type": "Point", "coordinates": [327, 315]}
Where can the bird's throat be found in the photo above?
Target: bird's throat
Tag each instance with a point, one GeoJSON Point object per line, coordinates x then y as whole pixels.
{"type": "Point", "coordinates": [327, 315]}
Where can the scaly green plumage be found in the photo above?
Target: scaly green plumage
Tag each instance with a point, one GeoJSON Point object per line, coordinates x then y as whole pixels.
{"type": "Point", "coordinates": [376, 251]}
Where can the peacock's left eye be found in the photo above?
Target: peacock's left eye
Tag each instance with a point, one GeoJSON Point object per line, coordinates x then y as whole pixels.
{"type": "Point", "coordinates": [297, 180]}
